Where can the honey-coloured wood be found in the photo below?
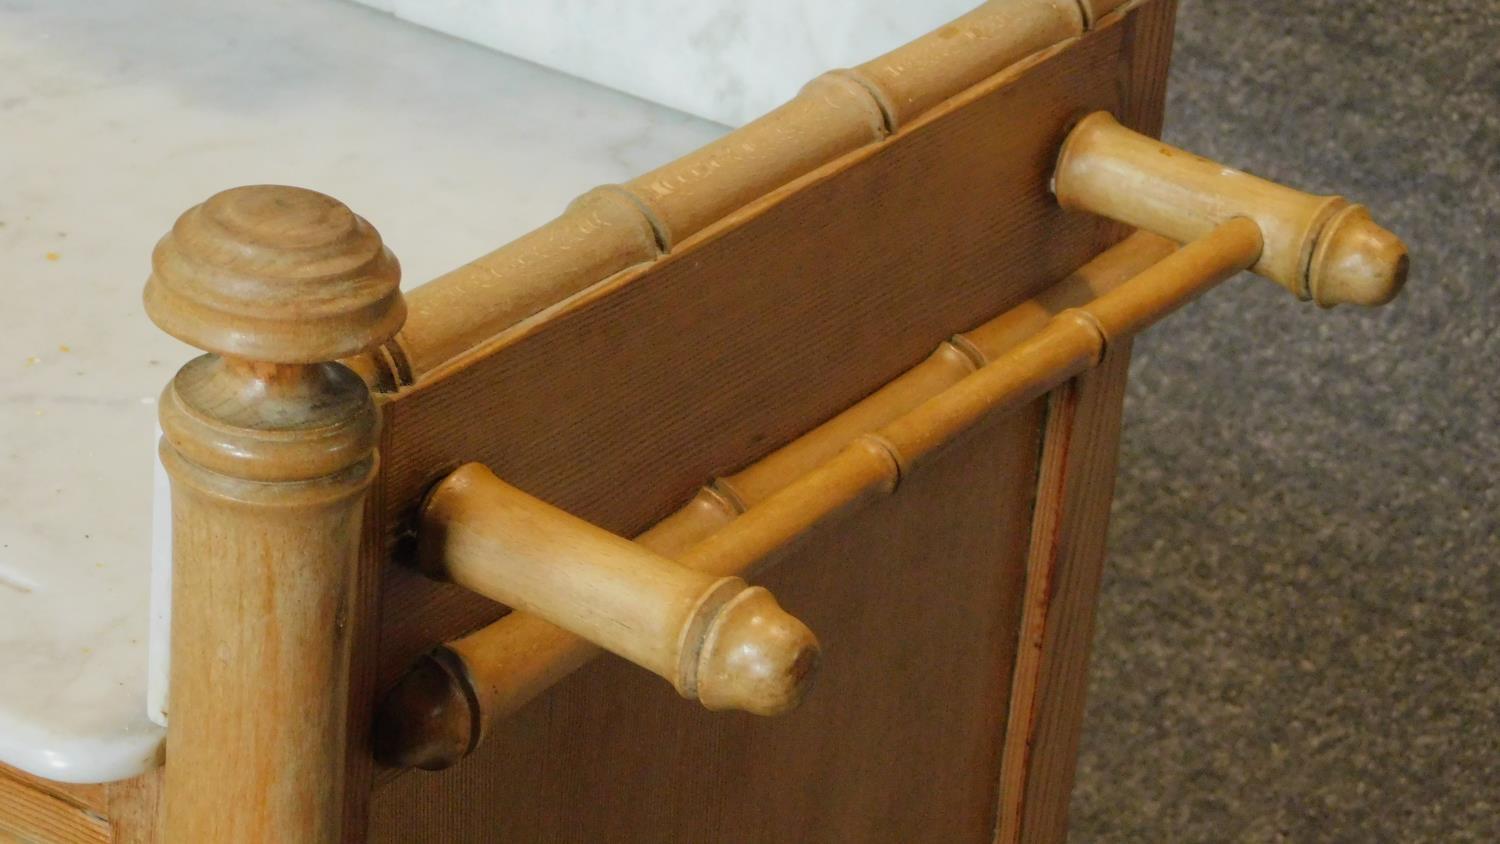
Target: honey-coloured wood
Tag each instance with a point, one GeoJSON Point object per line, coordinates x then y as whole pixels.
{"type": "Point", "coordinates": [33, 810]}
{"type": "Point", "coordinates": [830, 116]}
{"type": "Point", "coordinates": [270, 450]}
{"type": "Point", "coordinates": [715, 638]}
{"type": "Point", "coordinates": [1095, 10]}
{"type": "Point", "coordinates": [1323, 248]}
{"type": "Point", "coordinates": [916, 76]}
{"type": "Point", "coordinates": [600, 233]}
{"type": "Point", "coordinates": [945, 529]}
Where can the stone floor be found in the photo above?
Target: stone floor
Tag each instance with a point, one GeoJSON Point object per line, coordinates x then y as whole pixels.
{"type": "Point", "coordinates": [1299, 632]}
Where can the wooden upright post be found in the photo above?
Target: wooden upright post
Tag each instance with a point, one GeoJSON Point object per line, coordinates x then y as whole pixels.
{"type": "Point", "coordinates": [270, 447]}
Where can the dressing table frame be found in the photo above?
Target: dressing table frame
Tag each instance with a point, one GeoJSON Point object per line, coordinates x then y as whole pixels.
{"type": "Point", "coordinates": [868, 351]}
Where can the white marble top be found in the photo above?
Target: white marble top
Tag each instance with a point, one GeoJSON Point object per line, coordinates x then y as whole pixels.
{"type": "Point", "coordinates": [726, 60]}
{"type": "Point", "coordinates": [114, 118]}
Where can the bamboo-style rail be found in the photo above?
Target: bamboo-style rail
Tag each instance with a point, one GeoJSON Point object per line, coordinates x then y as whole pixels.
{"type": "Point", "coordinates": [1319, 247]}
{"type": "Point", "coordinates": [741, 524]}
{"type": "Point", "coordinates": [615, 227]}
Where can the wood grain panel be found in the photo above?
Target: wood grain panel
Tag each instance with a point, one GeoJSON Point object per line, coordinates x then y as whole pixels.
{"type": "Point", "coordinates": [617, 405]}
{"type": "Point", "coordinates": [1065, 563]}
{"type": "Point", "coordinates": [916, 600]}
{"type": "Point", "coordinates": [92, 796]}
{"type": "Point", "coordinates": [35, 812]}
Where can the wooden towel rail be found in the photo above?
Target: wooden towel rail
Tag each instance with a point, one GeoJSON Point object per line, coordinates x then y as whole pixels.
{"type": "Point", "coordinates": [1323, 248]}
{"type": "Point", "coordinates": [442, 710]}
{"type": "Point", "coordinates": [914, 112]}
{"type": "Point", "coordinates": [457, 705]}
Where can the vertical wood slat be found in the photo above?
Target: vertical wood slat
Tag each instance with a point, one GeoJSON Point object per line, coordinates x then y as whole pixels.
{"type": "Point", "coordinates": [1063, 570]}
{"type": "Point", "coordinates": [1045, 716]}
{"type": "Point", "coordinates": [364, 633]}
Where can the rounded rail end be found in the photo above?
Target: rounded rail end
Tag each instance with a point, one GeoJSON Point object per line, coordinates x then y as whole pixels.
{"type": "Point", "coordinates": [428, 720]}
{"type": "Point", "coordinates": [1357, 262]}
{"type": "Point", "coordinates": [756, 657]}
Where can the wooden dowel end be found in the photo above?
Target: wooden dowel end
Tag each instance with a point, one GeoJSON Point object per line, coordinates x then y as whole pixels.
{"type": "Point", "coordinates": [755, 657]}
{"type": "Point", "coordinates": [1322, 248]}
{"type": "Point", "coordinates": [429, 719]}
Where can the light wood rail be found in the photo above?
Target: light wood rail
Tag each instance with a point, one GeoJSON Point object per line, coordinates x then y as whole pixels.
{"type": "Point", "coordinates": [481, 676]}
{"type": "Point", "coordinates": [615, 227]}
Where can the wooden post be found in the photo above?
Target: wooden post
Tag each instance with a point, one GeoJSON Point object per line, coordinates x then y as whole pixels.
{"type": "Point", "coordinates": [270, 448]}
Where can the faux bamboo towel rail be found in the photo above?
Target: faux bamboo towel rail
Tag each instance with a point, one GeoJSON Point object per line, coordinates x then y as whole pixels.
{"type": "Point", "coordinates": [442, 708]}
{"type": "Point", "coordinates": [1323, 248]}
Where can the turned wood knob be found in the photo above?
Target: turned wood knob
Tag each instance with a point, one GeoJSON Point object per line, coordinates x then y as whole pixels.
{"type": "Point", "coordinates": [718, 640]}
{"type": "Point", "coordinates": [1323, 248]}
{"type": "Point", "coordinates": [276, 274]}
{"type": "Point", "coordinates": [276, 283]}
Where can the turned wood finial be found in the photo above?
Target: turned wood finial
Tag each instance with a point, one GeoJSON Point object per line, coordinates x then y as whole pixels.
{"type": "Point", "coordinates": [275, 274]}
{"type": "Point", "coordinates": [1322, 248]}
{"type": "Point", "coordinates": [276, 282]}
{"type": "Point", "coordinates": [270, 447]}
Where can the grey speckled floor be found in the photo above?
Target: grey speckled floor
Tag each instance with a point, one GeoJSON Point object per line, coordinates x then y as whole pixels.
{"type": "Point", "coordinates": [1299, 635]}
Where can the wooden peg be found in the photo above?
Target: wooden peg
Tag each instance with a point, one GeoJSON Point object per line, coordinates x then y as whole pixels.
{"type": "Point", "coordinates": [1323, 248]}
{"type": "Point", "coordinates": [718, 640]}
{"type": "Point", "coordinates": [270, 448]}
